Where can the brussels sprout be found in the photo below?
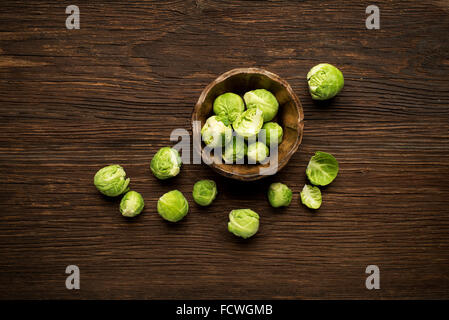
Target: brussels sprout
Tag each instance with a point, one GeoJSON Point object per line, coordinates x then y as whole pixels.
{"type": "Point", "coordinates": [230, 105]}
{"type": "Point", "coordinates": [235, 150]}
{"type": "Point", "coordinates": [257, 152]}
{"type": "Point", "coordinates": [264, 100]}
{"type": "Point", "coordinates": [273, 132]}
{"type": "Point", "coordinates": [132, 204]}
{"type": "Point", "coordinates": [311, 197]}
{"type": "Point", "coordinates": [172, 206]}
{"type": "Point", "coordinates": [243, 222]}
{"type": "Point", "coordinates": [217, 131]}
{"type": "Point", "coordinates": [204, 192]}
{"type": "Point", "coordinates": [325, 81]}
{"type": "Point", "coordinates": [279, 195]}
{"type": "Point", "coordinates": [249, 123]}
{"type": "Point", "coordinates": [111, 180]}
{"type": "Point", "coordinates": [322, 168]}
{"type": "Point", "coordinates": [166, 163]}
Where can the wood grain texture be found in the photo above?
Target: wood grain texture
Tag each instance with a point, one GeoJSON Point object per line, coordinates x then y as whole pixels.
{"type": "Point", "coordinates": [72, 101]}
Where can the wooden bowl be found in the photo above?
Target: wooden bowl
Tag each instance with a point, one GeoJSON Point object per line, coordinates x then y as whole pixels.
{"type": "Point", "coordinates": [290, 116]}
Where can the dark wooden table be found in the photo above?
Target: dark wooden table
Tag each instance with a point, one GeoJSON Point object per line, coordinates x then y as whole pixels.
{"type": "Point", "coordinates": [72, 101]}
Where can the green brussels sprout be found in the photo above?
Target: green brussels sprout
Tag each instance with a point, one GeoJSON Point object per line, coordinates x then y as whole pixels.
{"type": "Point", "coordinates": [273, 132]}
{"type": "Point", "coordinates": [166, 163]}
{"type": "Point", "coordinates": [230, 105]}
{"type": "Point", "coordinates": [325, 81]}
{"type": "Point", "coordinates": [204, 192]}
{"type": "Point", "coordinates": [322, 168]}
{"type": "Point", "coordinates": [217, 131]}
{"type": "Point", "coordinates": [249, 123]}
{"type": "Point", "coordinates": [235, 150]}
{"type": "Point", "coordinates": [264, 100]}
{"type": "Point", "coordinates": [257, 152]}
{"type": "Point", "coordinates": [172, 206]}
{"type": "Point", "coordinates": [279, 195]}
{"type": "Point", "coordinates": [132, 204]}
{"type": "Point", "coordinates": [311, 196]}
{"type": "Point", "coordinates": [111, 180]}
{"type": "Point", "coordinates": [243, 222]}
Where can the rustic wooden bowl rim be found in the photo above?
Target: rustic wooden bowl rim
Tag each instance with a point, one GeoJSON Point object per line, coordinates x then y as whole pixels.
{"type": "Point", "coordinates": [282, 162]}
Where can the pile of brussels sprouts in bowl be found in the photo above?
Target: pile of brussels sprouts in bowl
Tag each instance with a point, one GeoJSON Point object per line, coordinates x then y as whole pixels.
{"type": "Point", "coordinates": [238, 122]}
{"type": "Point", "coordinates": [250, 122]}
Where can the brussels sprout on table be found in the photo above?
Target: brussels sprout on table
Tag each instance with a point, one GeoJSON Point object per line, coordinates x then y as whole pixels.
{"type": "Point", "coordinates": [325, 81]}
{"type": "Point", "coordinates": [243, 222]}
{"type": "Point", "coordinates": [279, 195]}
{"type": "Point", "coordinates": [132, 204]}
{"type": "Point", "coordinates": [172, 206]}
{"type": "Point", "coordinates": [322, 169]}
{"type": "Point", "coordinates": [229, 104]}
{"type": "Point", "coordinates": [273, 132]}
{"type": "Point", "coordinates": [204, 192]}
{"type": "Point", "coordinates": [166, 163]}
{"type": "Point", "coordinates": [235, 150]}
{"type": "Point", "coordinates": [311, 197]}
{"type": "Point", "coordinates": [111, 180]}
{"type": "Point", "coordinates": [264, 100]}
{"type": "Point", "coordinates": [257, 152]}
{"type": "Point", "coordinates": [217, 131]}
{"type": "Point", "coordinates": [249, 123]}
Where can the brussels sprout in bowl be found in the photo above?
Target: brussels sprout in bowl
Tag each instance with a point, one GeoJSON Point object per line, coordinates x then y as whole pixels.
{"type": "Point", "coordinates": [251, 81]}
{"type": "Point", "coordinates": [273, 133]}
{"type": "Point", "coordinates": [216, 131]}
{"type": "Point", "coordinates": [257, 152]}
{"type": "Point", "coordinates": [264, 100]}
{"type": "Point", "coordinates": [230, 105]}
{"type": "Point", "coordinates": [235, 151]}
{"type": "Point", "coordinates": [249, 123]}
